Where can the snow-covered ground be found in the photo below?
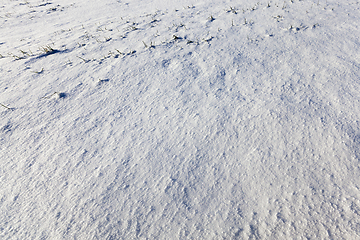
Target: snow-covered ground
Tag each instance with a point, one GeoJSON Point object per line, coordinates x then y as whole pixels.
{"type": "Point", "coordinates": [179, 119]}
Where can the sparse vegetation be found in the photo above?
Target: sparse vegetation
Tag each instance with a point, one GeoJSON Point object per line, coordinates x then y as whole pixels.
{"type": "Point", "coordinates": [99, 31]}
{"type": "Point", "coordinates": [230, 114]}
{"type": "Point", "coordinates": [56, 95]}
{"type": "Point", "coordinates": [176, 37]}
{"type": "Point", "coordinates": [151, 45]}
{"type": "Point", "coordinates": [5, 106]}
{"type": "Point", "coordinates": [38, 72]}
{"type": "Point", "coordinates": [85, 60]}
{"type": "Point", "coordinates": [47, 50]}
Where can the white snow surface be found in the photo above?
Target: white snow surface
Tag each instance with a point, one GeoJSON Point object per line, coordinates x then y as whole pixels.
{"type": "Point", "coordinates": [179, 119]}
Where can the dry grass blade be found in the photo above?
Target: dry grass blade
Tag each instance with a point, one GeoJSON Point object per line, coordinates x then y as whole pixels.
{"type": "Point", "coordinates": [56, 95]}
{"type": "Point", "coordinates": [5, 106]}
{"type": "Point", "coordinates": [48, 50]}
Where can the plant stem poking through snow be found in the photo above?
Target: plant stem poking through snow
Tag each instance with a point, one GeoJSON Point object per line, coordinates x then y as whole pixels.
{"type": "Point", "coordinates": [235, 103]}
{"type": "Point", "coordinates": [47, 50]}
{"type": "Point", "coordinates": [83, 59]}
{"type": "Point", "coordinates": [6, 106]}
{"type": "Point", "coordinates": [176, 37]}
{"type": "Point", "coordinates": [38, 72]}
{"type": "Point", "coordinates": [56, 95]}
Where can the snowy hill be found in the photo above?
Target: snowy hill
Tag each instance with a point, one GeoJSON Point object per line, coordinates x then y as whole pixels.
{"type": "Point", "coordinates": [187, 120]}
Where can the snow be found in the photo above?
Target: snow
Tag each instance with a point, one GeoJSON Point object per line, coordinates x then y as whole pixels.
{"type": "Point", "coordinates": [187, 120]}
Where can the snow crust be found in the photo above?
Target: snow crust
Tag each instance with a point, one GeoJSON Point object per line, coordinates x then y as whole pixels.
{"type": "Point", "coordinates": [187, 120]}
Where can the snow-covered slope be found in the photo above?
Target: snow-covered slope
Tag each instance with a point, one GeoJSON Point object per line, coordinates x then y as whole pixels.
{"type": "Point", "coordinates": [188, 120]}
